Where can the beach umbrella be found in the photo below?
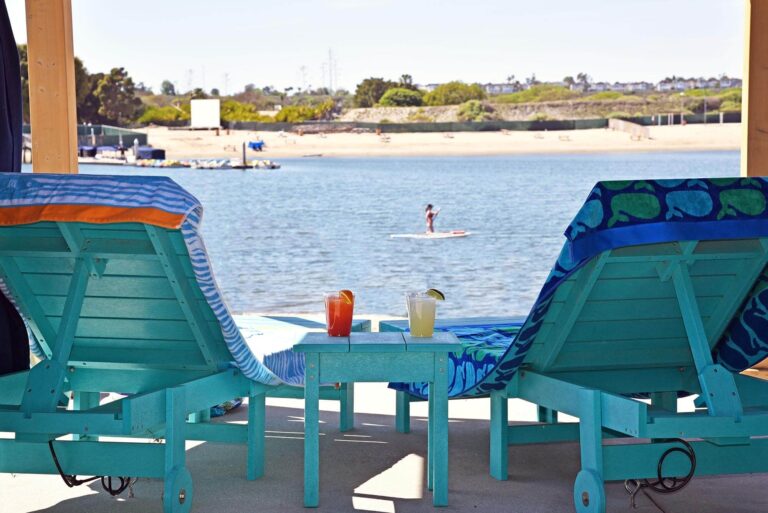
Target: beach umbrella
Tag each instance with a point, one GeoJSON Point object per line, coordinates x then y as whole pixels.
{"type": "Point", "coordinates": [10, 97]}
{"type": "Point", "coordinates": [14, 344]}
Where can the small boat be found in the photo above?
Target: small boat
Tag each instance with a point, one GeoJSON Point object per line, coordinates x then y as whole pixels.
{"type": "Point", "coordinates": [265, 164]}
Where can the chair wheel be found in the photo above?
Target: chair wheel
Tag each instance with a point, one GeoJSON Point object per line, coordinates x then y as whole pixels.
{"type": "Point", "coordinates": [589, 492]}
{"type": "Point", "coordinates": [178, 491]}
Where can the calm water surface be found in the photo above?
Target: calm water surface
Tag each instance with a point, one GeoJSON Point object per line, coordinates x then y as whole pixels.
{"type": "Point", "coordinates": [279, 239]}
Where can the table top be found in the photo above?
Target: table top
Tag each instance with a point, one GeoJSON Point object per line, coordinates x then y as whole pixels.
{"type": "Point", "coordinates": [402, 324]}
{"type": "Point", "coordinates": [377, 343]}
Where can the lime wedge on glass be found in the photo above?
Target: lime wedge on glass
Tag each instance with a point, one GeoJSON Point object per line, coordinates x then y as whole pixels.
{"type": "Point", "coordinates": [436, 294]}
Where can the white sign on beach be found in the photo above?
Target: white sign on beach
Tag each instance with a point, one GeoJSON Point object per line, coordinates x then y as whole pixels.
{"type": "Point", "coordinates": [206, 113]}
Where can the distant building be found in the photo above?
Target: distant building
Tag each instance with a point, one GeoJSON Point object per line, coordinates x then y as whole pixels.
{"type": "Point", "coordinates": [427, 87]}
{"type": "Point", "coordinates": [506, 88]}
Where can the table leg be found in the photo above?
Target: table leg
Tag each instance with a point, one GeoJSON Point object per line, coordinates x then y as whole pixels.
{"type": "Point", "coordinates": [403, 414]}
{"type": "Point", "coordinates": [311, 431]}
{"type": "Point", "coordinates": [347, 407]}
{"type": "Point", "coordinates": [440, 431]}
{"type": "Point", "coordinates": [430, 435]}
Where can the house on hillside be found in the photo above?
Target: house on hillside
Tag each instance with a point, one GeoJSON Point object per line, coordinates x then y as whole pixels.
{"type": "Point", "coordinates": [427, 87]}
{"type": "Point", "coordinates": [665, 85]}
{"type": "Point", "coordinates": [493, 89]}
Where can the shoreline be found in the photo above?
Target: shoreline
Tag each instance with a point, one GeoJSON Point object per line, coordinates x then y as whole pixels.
{"type": "Point", "coordinates": [181, 144]}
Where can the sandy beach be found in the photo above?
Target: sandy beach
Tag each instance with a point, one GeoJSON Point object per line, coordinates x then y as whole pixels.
{"type": "Point", "coordinates": [200, 144]}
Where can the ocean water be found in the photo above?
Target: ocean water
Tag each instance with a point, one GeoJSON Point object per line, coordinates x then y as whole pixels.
{"type": "Point", "coordinates": [279, 239]}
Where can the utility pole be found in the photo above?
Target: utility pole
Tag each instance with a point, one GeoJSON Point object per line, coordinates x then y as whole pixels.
{"type": "Point", "coordinates": [303, 71]}
{"type": "Point", "coordinates": [190, 78]}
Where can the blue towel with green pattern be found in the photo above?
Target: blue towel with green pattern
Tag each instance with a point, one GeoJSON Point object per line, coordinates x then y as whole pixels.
{"type": "Point", "coordinates": [619, 214]}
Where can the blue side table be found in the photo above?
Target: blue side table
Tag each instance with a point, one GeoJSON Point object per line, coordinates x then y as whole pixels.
{"type": "Point", "coordinates": [403, 411]}
{"type": "Point", "coordinates": [375, 357]}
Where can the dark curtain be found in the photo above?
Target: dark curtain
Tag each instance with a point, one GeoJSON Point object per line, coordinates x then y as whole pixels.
{"type": "Point", "coordinates": [14, 344]}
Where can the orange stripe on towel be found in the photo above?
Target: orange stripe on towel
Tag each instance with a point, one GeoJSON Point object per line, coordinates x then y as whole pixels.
{"type": "Point", "coordinates": [97, 214]}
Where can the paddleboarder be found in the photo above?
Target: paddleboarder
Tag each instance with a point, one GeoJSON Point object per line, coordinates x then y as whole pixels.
{"type": "Point", "coordinates": [430, 216]}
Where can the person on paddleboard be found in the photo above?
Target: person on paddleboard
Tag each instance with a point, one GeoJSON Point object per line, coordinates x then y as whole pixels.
{"type": "Point", "coordinates": [430, 216]}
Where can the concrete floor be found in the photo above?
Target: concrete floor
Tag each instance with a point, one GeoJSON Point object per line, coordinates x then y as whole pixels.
{"type": "Point", "coordinates": [375, 469]}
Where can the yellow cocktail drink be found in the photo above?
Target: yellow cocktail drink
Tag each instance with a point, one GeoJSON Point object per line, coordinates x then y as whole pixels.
{"type": "Point", "coordinates": [421, 314]}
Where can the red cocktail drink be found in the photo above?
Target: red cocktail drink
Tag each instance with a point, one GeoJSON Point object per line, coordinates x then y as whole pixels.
{"type": "Point", "coordinates": [338, 313]}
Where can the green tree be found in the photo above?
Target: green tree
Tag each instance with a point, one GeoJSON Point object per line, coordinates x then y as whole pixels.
{"type": "Point", "coordinates": [406, 82]}
{"type": "Point", "coordinates": [167, 88]}
{"type": "Point", "coordinates": [117, 95]}
{"type": "Point", "coordinates": [198, 94]}
{"type": "Point", "coordinates": [584, 79]}
{"type": "Point", "coordinates": [401, 97]}
{"type": "Point", "coordinates": [85, 98]}
{"type": "Point", "coordinates": [23, 60]}
{"type": "Point", "coordinates": [454, 93]}
{"type": "Point", "coordinates": [569, 81]}
{"type": "Point", "coordinates": [88, 106]}
{"type": "Point", "coordinates": [215, 92]}
{"type": "Point", "coordinates": [369, 91]}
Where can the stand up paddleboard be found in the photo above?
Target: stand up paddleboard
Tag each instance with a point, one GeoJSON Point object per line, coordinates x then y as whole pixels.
{"type": "Point", "coordinates": [436, 235]}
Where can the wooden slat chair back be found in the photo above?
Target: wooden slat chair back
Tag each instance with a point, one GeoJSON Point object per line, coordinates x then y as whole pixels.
{"type": "Point", "coordinates": [623, 312]}
{"type": "Point", "coordinates": [118, 306]}
{"type": "Point", "coordinates": [659, 290]}
{"type": "Point", "coordinates": [142, 308]}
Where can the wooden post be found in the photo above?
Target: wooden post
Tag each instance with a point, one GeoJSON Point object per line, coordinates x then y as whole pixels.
{"type": "Point", "coordinates": [53, 114]}
{"type": "Point", "coordinates": [754, 110]}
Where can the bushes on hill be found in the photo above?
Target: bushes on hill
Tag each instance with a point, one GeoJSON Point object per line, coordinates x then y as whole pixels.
{"type": "Point", "coordinates": [420, 116]}
{"type": "Point", "coordinates": [299, 113]}
{"type": "Point", "coordinates": [232, 110]}
{"type": "Point", "coordinates": [165, 116]}
{"type": "Point", "coordinates": [401, 97]}
{"type": "Point", "coordinates": [474, 110]}
{"type": "Point", "coordinates": [454, 93]}
{"type": "Point", "coordinates": [603, 95]}
{"type": "Point", "coordinates": [538, 93]}
{"type": "Point", "coordinates": [730, 106]}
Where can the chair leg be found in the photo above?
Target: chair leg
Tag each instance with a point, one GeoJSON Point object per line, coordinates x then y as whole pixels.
{"type": "Point", "coordinates": [665, 401]}
{"type": "Point", "coordinates": [403, 412]}
{"type": "Point", "coordinates": [177, 489]}
{"type": "Point", "coordinates": [256, 427]}
{"type": "Point", "coordinates": [311, 431]}
{"type": "Point", "coordinates": [440, 464]}
{"type": "Point", "coordinates": [347, 408]}
{"type": "Point", "coordinates": [589, 488]}
{"type": "Point", "coordinates": [430, 439]}
{"type": "Point", "coordinates": [499, 436]}
{"type": "Point", "coordinates": [547, 415]}
{"type": "Point", "coordinates": [85, 401]}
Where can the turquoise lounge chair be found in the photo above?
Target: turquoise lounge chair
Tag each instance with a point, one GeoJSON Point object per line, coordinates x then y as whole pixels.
{"type": "Point", "coordinates": [113, 280]}
{"type": "Point", "coordinates": [661, 289]}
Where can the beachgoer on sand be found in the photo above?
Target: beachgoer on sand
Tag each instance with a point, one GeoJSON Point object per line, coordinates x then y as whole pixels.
{"type": "Point", "coordinates": [430, 216]}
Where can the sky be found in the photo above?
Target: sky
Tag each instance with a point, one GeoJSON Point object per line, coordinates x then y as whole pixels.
{"type": "Point", "coordinates": [229, 43]}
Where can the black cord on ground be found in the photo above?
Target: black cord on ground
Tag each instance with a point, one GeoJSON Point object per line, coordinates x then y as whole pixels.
{"type": "Point", "coordinates": [661, 484]}
{"type": "Point", "coordinates": [71, 480]}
